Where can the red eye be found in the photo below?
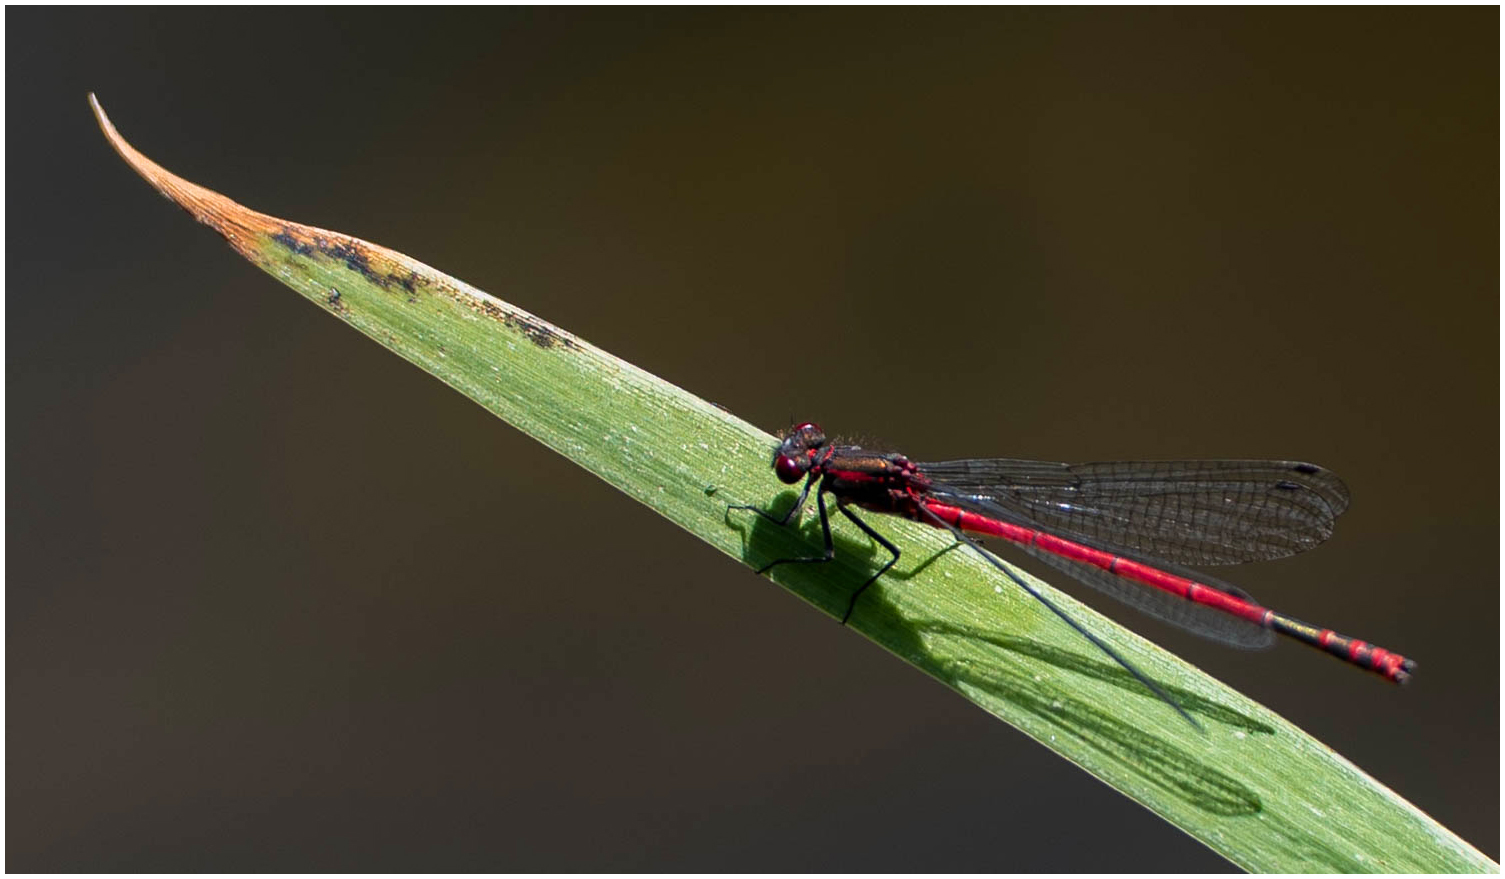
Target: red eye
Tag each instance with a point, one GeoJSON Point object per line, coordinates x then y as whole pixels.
{"type": "Point", "coordinates": [788, 469]}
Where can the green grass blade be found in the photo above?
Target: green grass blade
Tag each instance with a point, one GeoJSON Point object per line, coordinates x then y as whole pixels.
{"type": "Point", "coordinates": [1252, 787]}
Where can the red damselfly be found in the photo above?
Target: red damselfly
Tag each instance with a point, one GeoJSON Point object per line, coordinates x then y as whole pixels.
{"type": "Point", "coordinates": [1124, 528]}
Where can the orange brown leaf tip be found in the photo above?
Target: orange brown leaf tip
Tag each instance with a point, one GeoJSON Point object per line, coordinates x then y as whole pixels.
{"type": "Point", "coordinates": [249, 232]}
{"type": "Point", "coordinates": [244, 228]}
{"type": "Point", "coordinates": [295, 253]}
{"type": "Point", "coordinates": [234, 221]}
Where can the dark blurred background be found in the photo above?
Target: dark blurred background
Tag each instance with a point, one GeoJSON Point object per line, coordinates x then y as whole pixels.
{"type": "Point", "coordinates": [279, 601]}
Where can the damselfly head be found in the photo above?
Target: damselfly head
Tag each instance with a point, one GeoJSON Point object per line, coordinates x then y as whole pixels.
{"type": "Point", "coordinates": [796, 454]}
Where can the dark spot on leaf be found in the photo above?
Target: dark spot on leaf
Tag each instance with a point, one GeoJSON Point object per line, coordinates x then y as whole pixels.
{"type": "Point", "coordinates": [291, 242]}
{"type": "Point", "coordinates": [355, 259]}
{"type": "Point", "coordinates": [1306, 468]}
{"type": "Point", "coordinates": [1288, 486]}
{"type": "Point", "coordinates": [538, 332]}
{"type": "Point", "coordinates": [409, 283]}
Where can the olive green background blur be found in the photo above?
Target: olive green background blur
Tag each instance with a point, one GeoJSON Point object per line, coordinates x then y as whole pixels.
{"type": "Point", "coordinates": [279, 601]}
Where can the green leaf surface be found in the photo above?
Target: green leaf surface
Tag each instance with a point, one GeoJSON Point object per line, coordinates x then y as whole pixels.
{"type": "Point", "coordinates": [1251, 786]}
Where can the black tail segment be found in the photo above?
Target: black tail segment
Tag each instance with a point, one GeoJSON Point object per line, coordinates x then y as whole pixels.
{"type": "Point", "coordinates": [1389, 665]}
{"type": "Point", "coordinates": [1155, 688]}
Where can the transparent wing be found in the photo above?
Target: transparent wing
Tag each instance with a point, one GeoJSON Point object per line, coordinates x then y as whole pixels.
{"type": "Point", "coordinates": [1195, 618]}
{"type": "Point", "coordinates": [1187, 512]}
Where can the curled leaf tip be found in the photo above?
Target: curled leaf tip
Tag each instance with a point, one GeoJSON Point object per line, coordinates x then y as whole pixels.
{"type": "Point", "coordinates": [232, 220]}
{"type": "Point", "coordinates": [314, 260]}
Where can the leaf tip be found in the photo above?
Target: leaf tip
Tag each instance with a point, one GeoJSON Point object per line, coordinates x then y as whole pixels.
{"type": "Point", "coordinates": [113, 136]}
{"type": "Point", "coordinates": [206, 205]}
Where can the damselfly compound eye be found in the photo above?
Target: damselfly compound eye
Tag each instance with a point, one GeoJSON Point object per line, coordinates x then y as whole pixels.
{"type": "Point", "coordinates": [788, 469]}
